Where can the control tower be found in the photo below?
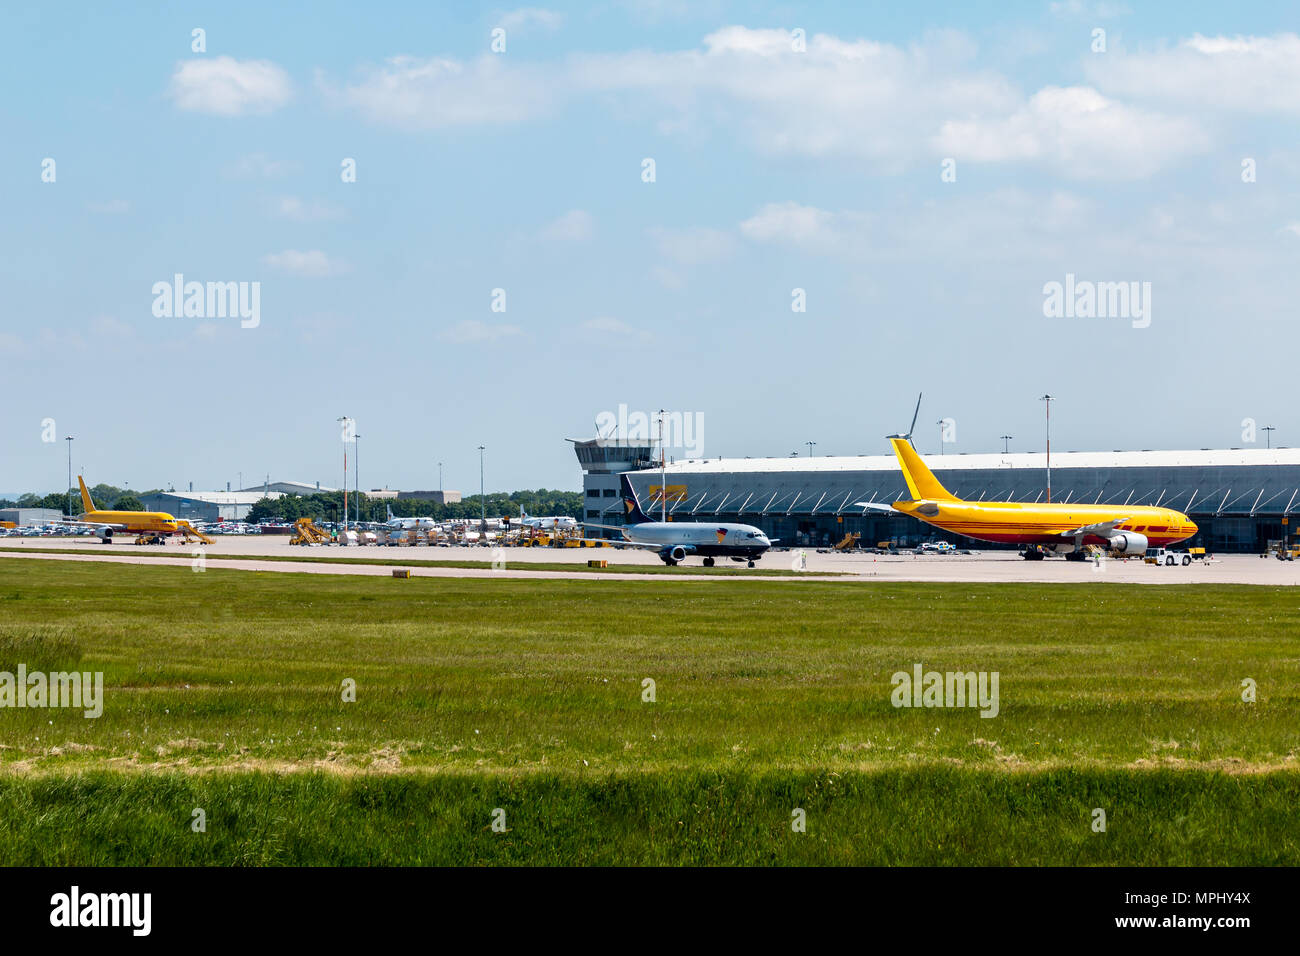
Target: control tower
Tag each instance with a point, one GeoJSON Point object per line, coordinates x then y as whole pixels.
{"type": "Point", "coordinates": [602, 461]}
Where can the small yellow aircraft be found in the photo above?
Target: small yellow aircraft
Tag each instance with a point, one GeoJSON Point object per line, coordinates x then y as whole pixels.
{"type": "Point", "coordinates": [152, 525]}
{"type": "Point", "coordinates": [1059, 528]}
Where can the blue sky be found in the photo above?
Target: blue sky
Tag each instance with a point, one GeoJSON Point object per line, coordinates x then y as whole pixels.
{"type": "Point", "coordinates": [777, 169]}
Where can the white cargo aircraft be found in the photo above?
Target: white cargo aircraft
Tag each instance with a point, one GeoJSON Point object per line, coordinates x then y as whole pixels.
{"type": "Point", "coordinates": [549, 523]}
{"type": "Point", "coordinates": [406, 524]}
{"type": "Point", "coordinates": [675, 540]}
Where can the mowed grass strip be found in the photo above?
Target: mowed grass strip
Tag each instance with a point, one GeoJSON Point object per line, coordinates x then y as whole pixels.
{"type": "Point", "coordinates": [929, 817]}
{"type": "Point", "coordinates": [724, 568]}
{"type": "Point", "coordinates": [206, 670]}
{"type": "Point", "coordinates": [223, 691]}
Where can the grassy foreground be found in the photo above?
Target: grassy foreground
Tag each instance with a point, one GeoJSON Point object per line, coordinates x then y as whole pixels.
{"type": "Point", "coordinates": [223, 692]}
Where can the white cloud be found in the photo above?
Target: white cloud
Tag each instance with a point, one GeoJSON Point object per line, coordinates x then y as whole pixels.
{"type": "Point", "coordinates": [293, 208]}
{"type": "Point", "coordinates": [471, 331]}
{"type": "Point", "coordinates": [855, 98]}
{"type": "Point", "coordinates": [617, 328]}
{"type": "Point", "coordinates": [1293, 228]}
{"type": "Point", "coordinates": [260, 166]}
{"type": "Point", "coordinates": [431, 94]}
{"type": "Point", "coordinates": [693, 246]}
{"type": "Point", "coordinates": [891, 107]}
{"type": "Point", "coordinates": [312, 263]}
{"type": "Point", "coordinates": [1078, 8]}
{"type": "Point", "coordinates": [530, 16]}
{"type": "Point", "coordinates": [573, 226]}
{"type": "Point", "coordinates": [789, 222]}
{"type": "Point", "coordinates": [1078, 131]}
{"type": "Point", "coordinates": [108, 326]}
{"type": "Point", "coordinates": [1240, 74]}
{"type": "Point", "coordinates": [229, 87]}
{"type": "Point", "coordinates": [668, 278]}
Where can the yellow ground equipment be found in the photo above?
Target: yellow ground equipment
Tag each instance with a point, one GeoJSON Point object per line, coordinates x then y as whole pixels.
{"type": "Point", "coordinates": [848, 542]}
{"type": "Point", "coordinates": [191, 533]}
{"type": "Point", "coordinates": [307, 532]}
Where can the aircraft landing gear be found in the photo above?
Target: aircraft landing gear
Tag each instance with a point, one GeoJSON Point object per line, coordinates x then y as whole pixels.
{"type": "Point", "coordinates": [708, 562]}
{"type": "Point", "coordinates": [751, 564]}
{"type": "Point", "coordinates": [1079, 555]}
{"type": "Point", "coordinates": [670, 562]}
{"type": "Point", "coordinates": [1033, 553]}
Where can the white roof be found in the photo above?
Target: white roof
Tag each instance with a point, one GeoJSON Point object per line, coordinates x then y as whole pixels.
{"type": "Point", "coordinates": [220, 497]}
{"type": "Point", "coordinates": [998, 461]}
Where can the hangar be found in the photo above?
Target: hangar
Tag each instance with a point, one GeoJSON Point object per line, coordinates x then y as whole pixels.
{"type": "Point", "coordinates": [1241, 498]}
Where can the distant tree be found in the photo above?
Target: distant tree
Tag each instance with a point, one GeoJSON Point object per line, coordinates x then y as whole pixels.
{"type": "Point", "coordinates": [29, 500]}
{"type": "Point", "coordinates": [55, 501]}
{"type": "Point", "coordinates": [128, 503]}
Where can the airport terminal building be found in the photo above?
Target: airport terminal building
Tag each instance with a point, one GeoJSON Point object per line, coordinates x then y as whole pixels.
{"type": "Point", "coordinates": [1240, 498]}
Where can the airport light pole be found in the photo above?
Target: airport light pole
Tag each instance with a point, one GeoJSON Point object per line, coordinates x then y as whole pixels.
{"type": "Point", "coordinates": [344, 420]}
{"type": "Point", "coordinates": [1006, 439]}
{"type": "Point", "coordinates": [440, 490]}
{"type": "Point", "coordinates": [482, 497]}
{"type": "Point", "coordinates": [356, 473]}
{"type": "Point", "coordinates": [810, 447]}
{"type": "Point", "coordinates": [1048, 399]}
{"type": "Point", "coordinates": [69, 440]}
{"type": "Point", "coordinates": [1267, 430]}
{"type": "Point", "coordinates": [940, 424]}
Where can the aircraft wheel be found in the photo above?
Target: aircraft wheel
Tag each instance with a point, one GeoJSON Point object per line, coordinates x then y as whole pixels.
{"type": "Point", "coordinates": [751, 564]}
{"type": "Point", "coordinates": [708, 562]}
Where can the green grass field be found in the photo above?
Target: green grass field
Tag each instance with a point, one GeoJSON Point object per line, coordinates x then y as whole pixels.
{"type": "Point", "coordinates": [223, 692]}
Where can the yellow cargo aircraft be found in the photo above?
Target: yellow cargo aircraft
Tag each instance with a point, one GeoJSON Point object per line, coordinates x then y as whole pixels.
{"type": "Point", "coordinates": [1059, 528]}
{"type": "Point", "coordinates": [151, 524]}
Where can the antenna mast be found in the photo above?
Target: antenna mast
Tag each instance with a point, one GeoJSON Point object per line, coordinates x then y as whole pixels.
{"type": "Point", "coordinates": [663, 469]}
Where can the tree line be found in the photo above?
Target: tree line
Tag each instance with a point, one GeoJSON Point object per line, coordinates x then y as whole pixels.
{"type": "Point", "coordinates": [328, 505]}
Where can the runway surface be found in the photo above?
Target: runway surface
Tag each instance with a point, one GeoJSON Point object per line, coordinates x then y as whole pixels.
{"type": "Point", "coordinates": [993, 566]}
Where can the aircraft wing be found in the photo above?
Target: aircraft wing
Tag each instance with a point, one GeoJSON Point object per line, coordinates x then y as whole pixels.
{"type": "Point", "coordinates": [116, 526]}
{"type": "Point", "coordinates": [1102, 529]}
{"type": "Point", "coordinates": [875, 506]}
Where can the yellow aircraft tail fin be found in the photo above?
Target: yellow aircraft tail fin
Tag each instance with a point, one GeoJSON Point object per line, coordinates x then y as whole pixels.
{"type": "Point", "coordinates": [86, 503]}
{"type": "Point", "coordinates": [920, 481]}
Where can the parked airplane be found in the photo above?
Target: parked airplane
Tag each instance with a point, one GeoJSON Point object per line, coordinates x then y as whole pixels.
{"type": "Point", "coordinates": [105, 523]}
{"type": "Point", "coordinates": [406, 524]}
{"type": "Point", "coordinates": [546, 524]}
{"type": "Point", "coordinates": [1058, 528]}
{"type": "Point", "coordinates": [674, 540]}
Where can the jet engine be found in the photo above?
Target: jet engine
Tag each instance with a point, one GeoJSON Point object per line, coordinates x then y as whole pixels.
{"type": "Point", "coordinates": [1126, 542]}
{"type": "Point", "coordinates": [678, 553]}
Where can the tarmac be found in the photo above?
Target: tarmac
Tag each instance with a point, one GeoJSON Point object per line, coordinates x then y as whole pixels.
{"type": "Point", "coordinates": [986, 567]}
